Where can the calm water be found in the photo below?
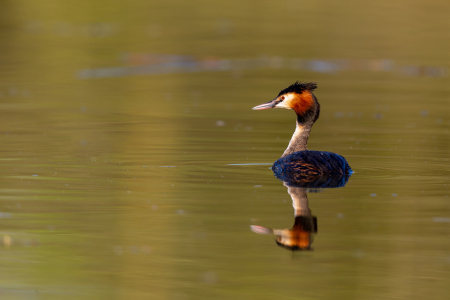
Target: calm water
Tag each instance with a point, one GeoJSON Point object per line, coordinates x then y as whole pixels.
{"type": "Point", "coordinates": [132, 165]}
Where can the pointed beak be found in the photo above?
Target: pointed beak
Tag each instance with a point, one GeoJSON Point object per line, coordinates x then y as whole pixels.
{"type": "Point", "coordinates": [260, 229]}
{"type": "Point", "coordinates": [270, 104]}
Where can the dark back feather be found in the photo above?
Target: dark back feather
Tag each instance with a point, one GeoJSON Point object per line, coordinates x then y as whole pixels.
{"type": "Point", "coordinates": [315, 169]}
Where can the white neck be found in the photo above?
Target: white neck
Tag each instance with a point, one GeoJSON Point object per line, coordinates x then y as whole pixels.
{"type": "Point", "coordinates": [299, 139]}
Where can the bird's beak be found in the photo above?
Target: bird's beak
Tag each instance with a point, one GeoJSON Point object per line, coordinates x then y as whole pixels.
{"type": "Point", "coordinates": [270, 104]}
{"type": "Point", "coordinates": [260, 229]}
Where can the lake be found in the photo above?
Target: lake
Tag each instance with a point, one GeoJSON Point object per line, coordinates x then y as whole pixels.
{"type": "Point", "coordinates": [133, 167]}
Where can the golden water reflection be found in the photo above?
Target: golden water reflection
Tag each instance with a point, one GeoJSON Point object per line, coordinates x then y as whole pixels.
{"type": "Point", "coordinates": [89, 207]}
{"type": "Point", "coordinates": [301, 235]}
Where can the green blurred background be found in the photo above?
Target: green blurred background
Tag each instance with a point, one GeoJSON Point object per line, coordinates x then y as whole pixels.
{"type": "Point", "coordinates": [129, 150]}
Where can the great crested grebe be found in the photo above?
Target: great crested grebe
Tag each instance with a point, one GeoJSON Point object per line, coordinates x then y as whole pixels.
{"type": "Point", "coordinates": [300, 236]}
{"type": "Point", "coordinates": [296, 159]}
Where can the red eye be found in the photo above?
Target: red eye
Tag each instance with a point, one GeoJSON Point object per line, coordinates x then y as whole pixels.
{"type": "Point", "coordinates": [282, 98]}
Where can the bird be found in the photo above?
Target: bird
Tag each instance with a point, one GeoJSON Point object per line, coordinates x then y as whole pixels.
{"type": "Point", "coordinates": [300, 236]}
{"type": "Point", "coordinates": [296, 159]}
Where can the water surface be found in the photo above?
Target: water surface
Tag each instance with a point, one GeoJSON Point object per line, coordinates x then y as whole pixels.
{"type": "Point", "coordinates": [132, 165]}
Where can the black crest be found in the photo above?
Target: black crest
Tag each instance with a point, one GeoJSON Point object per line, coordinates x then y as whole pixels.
{"type": "Point", "coordinates": [299, 87]}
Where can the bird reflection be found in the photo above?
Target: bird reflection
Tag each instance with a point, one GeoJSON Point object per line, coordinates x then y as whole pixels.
{"type": "Point", "coordinates": [300, 236]}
